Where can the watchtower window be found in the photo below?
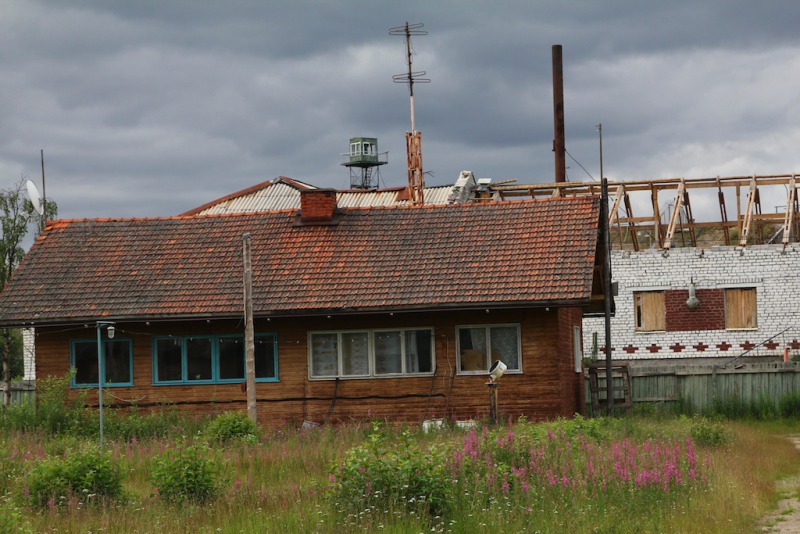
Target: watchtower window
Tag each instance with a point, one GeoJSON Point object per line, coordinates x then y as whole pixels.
{"type": "Point", "coordinates": [355, 149]}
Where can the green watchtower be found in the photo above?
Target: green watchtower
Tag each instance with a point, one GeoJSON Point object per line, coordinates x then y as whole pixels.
{"type": "Point", "coordinates": [364, 161]}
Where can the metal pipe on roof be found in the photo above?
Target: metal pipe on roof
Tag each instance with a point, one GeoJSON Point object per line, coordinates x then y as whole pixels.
{"type": "Point", "coordinates": [558, 115]}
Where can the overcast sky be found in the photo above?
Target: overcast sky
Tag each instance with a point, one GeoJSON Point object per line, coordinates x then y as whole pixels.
{"type": "Point", "coordinates": [151, 108]}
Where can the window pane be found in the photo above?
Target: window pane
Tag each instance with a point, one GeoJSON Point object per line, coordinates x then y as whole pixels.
{"type": "Point", "coordinates": [388, 353]}
{"type": "Point", "coordinates": [117, 362]}
{"type": "Point", "coordinates": [265, 357]}
{"type": "Point", "coordinates": [198, 359]}
{"type": "Point", "coordinates": [355, 353]}
{"type": "Point", "coordinates": [85, 362]}
{"type": "Point", "coordinates": [505, 346]}
{"type": "Point", "coordinates": [418, 351]}
{"type": "Point", "coordinates": [168, 360]}
{"type": "Point", "coordinates": [231, 358]}
{"type": "Point", "coordinates": [324, 355]}
{"type": "Point", "coordinates": [472, 343]}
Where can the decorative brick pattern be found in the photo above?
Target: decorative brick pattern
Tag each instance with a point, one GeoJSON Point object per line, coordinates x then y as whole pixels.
{"type": "Point", "coordinates": [630, 349]}
{"type": "Point", "coordinates": [747, 345]}
{"type": "Point", "coordinates": [653, 348]}
{"type": "Point", "coordinates": [677, 347]}
{"type": "Point", "coordinates": [770, 269]}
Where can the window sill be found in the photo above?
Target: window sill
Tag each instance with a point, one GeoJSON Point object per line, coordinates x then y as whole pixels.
{"type": "Point", "coordinates": [373, 377]}
{"type": "Point", "coordinates": [105, 386]}
{"type": "Point", "coordinates": [213, 383]}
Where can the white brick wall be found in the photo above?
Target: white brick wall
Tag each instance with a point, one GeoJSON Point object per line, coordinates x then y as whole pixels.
{"type": "Point", "coordinates": [29, 353]}
{"type": "Point", "coordinates": [774, 273]}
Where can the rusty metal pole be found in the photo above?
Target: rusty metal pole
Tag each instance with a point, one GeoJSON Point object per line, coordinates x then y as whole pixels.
{"type": "Point", "coordinates": [559, 146]}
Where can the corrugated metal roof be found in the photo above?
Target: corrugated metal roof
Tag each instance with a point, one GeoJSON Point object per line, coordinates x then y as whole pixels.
{"type": "Point", "coordinates": [272, 197]}
{"type": "Point", "coordinates": [279, 195]}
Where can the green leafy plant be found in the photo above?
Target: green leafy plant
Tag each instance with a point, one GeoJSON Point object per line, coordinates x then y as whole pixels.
{"type": "Point", "coordinates": [231, 426]}
{"type": "Point", "coordinates": [188, 472]}
{"type": "Point", "coordinates": [709, 433]}
{"type": "Point", "coordinates": [57, 412]}
{"type": "Point", "coordinates": [89, 473]}
{"type": "Point", "coordinates": [399, 476]}
{"type": "Point", "coordinates": [132, 425]}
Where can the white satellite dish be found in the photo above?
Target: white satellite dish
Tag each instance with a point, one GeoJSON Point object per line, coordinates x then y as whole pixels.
{"type": "Point", "coordinates": [36, 198]}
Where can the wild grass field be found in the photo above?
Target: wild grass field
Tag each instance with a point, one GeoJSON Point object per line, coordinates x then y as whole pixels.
{"type": "Point", "coordinates": [164, 473]}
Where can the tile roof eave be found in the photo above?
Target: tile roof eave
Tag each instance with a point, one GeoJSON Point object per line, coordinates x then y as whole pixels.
{"type": "Point", "coordinates": [460, 306]}
{"type": "Point", "coordinates": [274, 314]}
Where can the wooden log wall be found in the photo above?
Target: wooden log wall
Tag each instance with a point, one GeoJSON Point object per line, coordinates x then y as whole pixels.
{"type": "Point", "coordinates": [547, 388]}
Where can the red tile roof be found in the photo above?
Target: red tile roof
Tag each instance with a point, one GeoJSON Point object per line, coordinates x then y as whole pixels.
{"type": "Point", "coordinates": [379, 259]}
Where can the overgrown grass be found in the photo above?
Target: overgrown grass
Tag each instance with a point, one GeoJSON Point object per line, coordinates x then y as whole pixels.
{"type": "Point", "coordinates": [616, 470]}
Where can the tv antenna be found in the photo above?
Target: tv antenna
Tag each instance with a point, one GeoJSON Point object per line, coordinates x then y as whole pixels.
{"type": "Point", "coordinates": [38, 201]}
{"type": "Point", "coordinates": [416, 177]}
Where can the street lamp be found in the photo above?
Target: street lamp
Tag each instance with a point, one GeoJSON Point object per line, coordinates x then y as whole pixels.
{"type": "Point", "coordinates": [101, 371]}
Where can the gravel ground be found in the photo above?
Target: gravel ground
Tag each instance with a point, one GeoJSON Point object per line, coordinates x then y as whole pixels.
{"type": "Point", "coordinates": [786, 517]}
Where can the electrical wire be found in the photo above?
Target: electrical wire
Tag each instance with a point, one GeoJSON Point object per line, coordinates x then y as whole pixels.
{"type": "Point", "coordinates": [579, 165]}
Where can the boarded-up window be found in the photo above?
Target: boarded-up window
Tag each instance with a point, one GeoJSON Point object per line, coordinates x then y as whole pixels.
{"type": "Point", "coordinates": [649, 311]}
{"type": "Point", "coordinates": [740, 308]}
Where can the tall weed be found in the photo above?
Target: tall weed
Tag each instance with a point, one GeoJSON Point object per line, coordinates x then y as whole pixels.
{"type": "Point", "coordinates": [188, 472]}
{"type": "Point", "coordinates": [87, 474]}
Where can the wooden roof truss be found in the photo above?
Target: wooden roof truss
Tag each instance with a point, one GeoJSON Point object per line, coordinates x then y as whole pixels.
{"type": "Point", "coordinates": [675, 225]}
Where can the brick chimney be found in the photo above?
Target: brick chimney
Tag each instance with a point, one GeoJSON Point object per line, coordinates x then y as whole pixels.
{"type": "Point", "coordinates": [317, 206]}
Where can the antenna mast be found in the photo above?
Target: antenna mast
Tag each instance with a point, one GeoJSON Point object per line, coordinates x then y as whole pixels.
{"type": "Point", "coordinates": [416, 180]}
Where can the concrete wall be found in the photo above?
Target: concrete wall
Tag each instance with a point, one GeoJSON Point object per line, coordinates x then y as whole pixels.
{"type": "Point", "coordinates": [701, 333]}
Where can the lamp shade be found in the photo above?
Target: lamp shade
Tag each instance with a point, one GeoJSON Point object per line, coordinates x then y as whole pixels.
{"type": "Point", "coordinates": [497, 369]}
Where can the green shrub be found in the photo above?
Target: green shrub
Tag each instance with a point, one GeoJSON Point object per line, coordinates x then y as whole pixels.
{"type": "Point", "coordinates": [231, 425]}
{"type": "Point", "coordinates": [129, 425]}
{"type": "Point", "coordinates": [789, 405]}
{"type": "Point", "coordinates": [58, 413]}
{"type": "Point", "coordinates": [188, 472]}
{"type": "Point", "coordinates": [709, 433]}
{"type": "Point", "coordinates": [88, 474]}
{"type": "Point", "coordinates": [11, 518]}
{"type": "Point", "coordinates": [391, 476]}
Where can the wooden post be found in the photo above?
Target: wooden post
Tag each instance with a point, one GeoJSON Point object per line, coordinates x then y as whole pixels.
{"type": "Point", "coordinates": [606, 290]}
{"type": "Point", "coordinates": [249, 337]}
{"type": "Point", "coordinates": [492, 402]}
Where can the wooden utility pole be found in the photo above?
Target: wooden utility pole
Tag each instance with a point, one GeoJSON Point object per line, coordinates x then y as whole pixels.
{"type": "Point", "coordinates": [607, 292]}
{"type": "Point", "coordinates": [249, 337]}
{"type": "Point", "coordinates": [559, 146]}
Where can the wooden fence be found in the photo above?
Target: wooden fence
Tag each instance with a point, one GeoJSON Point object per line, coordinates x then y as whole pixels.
{"type": "Point", "coordinates": [698, 387]}
{"type": "Point", "coordinates": [21, 391]}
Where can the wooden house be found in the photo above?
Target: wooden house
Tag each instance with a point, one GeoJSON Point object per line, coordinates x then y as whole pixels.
{"type": "Point", "coordinates": [359, 313]}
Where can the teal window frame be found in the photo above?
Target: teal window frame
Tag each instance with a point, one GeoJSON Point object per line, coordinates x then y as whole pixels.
{"type": "Point", "coordinates": [269, 338]}
{"type": "Point", "coordinates": [93, 343]}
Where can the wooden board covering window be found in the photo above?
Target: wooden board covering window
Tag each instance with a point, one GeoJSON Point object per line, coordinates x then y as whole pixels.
{"type": "Point", "coordinates": [740, 308]}
{"type": "Point", "coordinates": [649, 311]}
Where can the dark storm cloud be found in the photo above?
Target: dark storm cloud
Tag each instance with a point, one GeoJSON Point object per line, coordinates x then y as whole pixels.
{"type": "Point", "coordinates": [154, 107]}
